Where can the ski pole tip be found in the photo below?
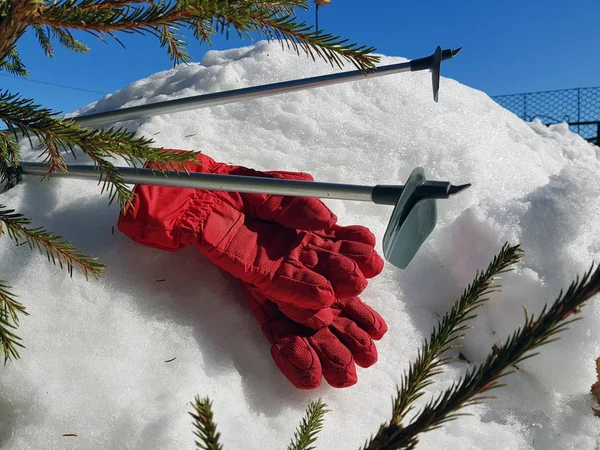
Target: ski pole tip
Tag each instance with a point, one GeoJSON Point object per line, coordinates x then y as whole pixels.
{"type": "Point", "coordinates": [449, 54]}
{"type": "Point", "coordinates": [458, 189]}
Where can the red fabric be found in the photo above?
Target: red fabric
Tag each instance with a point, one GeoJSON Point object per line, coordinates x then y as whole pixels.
{"type": "Point", "coordinates": [305, 355]}
{"type": "Point", "coordinates": [261, 239]}
{"type": "Point", "coordinates": [301, 272]}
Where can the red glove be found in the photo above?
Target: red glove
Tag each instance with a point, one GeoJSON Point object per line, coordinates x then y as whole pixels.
{"type": "Point", "coordinates": [305, 355]}
{"type": "Point", "coordinates": [255, 237]}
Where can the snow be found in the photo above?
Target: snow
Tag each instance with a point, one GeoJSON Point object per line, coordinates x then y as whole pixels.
{"type": "Point", "coordinates": [97, 351]}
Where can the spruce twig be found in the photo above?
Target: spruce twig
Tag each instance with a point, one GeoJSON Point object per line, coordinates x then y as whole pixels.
{"type": "Point", "coordinates": [206, 429]}
{"type": "Point", "coordinates": [10, 309]}
{"type": "Point", "coordinates": [312, 423]}
{"type": "Point", "coordinates": [486, 376]}
{"type": "Point", "coordinates": [56, 134]}
{"type": "Point", "coordinates": [56, 248]}
{"type": "Point", "coordinates": [164, 18]}
{"type": "Point", "coordinates": [450, 329]}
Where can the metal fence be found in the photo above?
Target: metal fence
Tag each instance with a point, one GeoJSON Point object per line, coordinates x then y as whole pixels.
{"type": "Point", "coordinates": [579, 107]}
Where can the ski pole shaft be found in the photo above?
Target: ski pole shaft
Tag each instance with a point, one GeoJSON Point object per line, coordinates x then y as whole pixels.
{"type": "Point", "coordinates": [250, 93]}
{"type": "Point", "coordinates": [380, 194]}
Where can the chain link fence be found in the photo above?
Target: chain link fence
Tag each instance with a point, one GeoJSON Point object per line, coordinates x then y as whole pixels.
{"type": "Point", "coordinates": [579, 107]}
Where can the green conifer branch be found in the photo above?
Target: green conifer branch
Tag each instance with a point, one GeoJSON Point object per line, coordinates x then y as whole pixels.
{"type": "Point", "coordinates": [9, 161]}
{"type": "Point", "coordinates": [42, 33]}
{"type": "Point", "coordinates": [56, 248]}
{"type": "Point", "coordinates": [176, 46]}
{"type": "Point", "coordinates": [449, 329]}
{"type": "Point", "coordinates": [285, 8]}
{"type": "Point", "coordinates": [312, 423]}
{"type": "Point", "coordinates": [12, 62]}
{"type": "Point", "coordinates": [56, 134]}
{"type": "Point", "coordinates": [10, 309]}
{"type": "Point", "coordinates": [205, 428]}
{"type": "Point", "coordinates": [66, 39]}
{"type": "Point", "coordinates": [273, 26]}
{"type": "Point", "coordinates": [484, 377]}
{"type": "Point", "coordinates": [274, 20]}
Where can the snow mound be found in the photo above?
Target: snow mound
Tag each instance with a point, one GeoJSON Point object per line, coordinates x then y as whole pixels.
{"type": "Point", "coordinates": [117, 361]}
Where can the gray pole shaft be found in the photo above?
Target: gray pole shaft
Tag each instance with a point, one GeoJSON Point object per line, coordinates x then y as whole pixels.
{"type": "Point", "coordinates": [231, 183]}
{"type": "Point", "coordinates": [222, 98]}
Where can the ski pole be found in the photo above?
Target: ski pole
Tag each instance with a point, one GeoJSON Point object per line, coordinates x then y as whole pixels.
{"type": "Point", "coordinates": [379, 194]}
{"type": "Point", "coordinates": [432, 62]}
{"type": "Point", "coordinates": [413, 219]}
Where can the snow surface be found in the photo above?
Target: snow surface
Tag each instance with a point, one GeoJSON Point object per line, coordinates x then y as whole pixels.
{"type": "Point", "coordinates": [95, 363]}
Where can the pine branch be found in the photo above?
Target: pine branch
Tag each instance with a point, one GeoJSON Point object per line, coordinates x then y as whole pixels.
{"type": "Point", "coordinates": [10, 309]}
{"type": "Point", "coordinates": [57, 133]}
{"type": "Point", "coordinates": [113, 182]}
{"type": "Point", "coordinates": [274, 20]}
{"type": "Point", "coordinates": [450, 329]}
{"type": "Point", "coordinates": [284, 8]}
{"type": "Point", "coordinates": [56, 248]}
{"type": "Point", "coordinates": [486, 376]}
{"type": "Point", "coordinates": [206, 429]}
{"type": "Point", "coordinates": [175, 45]}
{"type": "Point", "coordinates": [43, 36]}
{"type": "Point", "coordinates": [311, 425]}
{"type": "Point", "coordinates": [98, 5]}
{"type": "Point", "coordinates": [9, 161]}
{"type": "Point", "coordinates": [268, 22]}
{"type": "Point", "coordinates": [12, 62]}
{"type": "Point", "coordinates": [66, 39]}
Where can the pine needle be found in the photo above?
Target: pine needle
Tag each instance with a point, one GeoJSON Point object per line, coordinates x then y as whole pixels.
{"type": "Point", "coordinates": [56, 248]}
{"type": "Point", "coordinates": [10, 309]}
{"type": "Point", "coordinates": [164, 19]}
{"type": "Point", "coordinates": [206, 429]}
{"type": "Point", "coordinates": [485, 377]}
{"type": "Point", "coordinates": [57, 134]}
{"type": "Point", "coordinates": [312, 423]}
{"type": "Point", "coordinates": [449, 329]}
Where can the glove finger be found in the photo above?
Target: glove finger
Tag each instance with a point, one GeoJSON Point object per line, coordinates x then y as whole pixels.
{"type": "Point", "coordinates": [336, 360]}
{"type": "Point", "coordinates": [293, 212]}
{"type": "Point", "coordinates": [298, 286]}
{"type": "Point", "coordinates": [296, 212]}
{"type": "Point", "coordinates": [266, 311]}
{"type": "Point", "coordinates": [355, 242]}
{"type": "Point", "coordinates": [311, 318]}
{"type": "Point", "coordinates": [368, 260]}
{"type": "Point", "coordinates": [263, 310]}
{"type": "Point", "coordinates": [290, 349]}
{"type": "Point", "coordinates": [356, 233]}
{"type": "Point", "coordinates": [300, 176]}
{"type": "Point", "coordinates": [260, 253]}
{"type": "Point", "coordinates": [363, 315]}
{"type": "Point", "coordinates": [298, 361]}
{"type": "Point", "coordinates": [356, 340]}
{"type": "Point", "coordinates": [343, 273]}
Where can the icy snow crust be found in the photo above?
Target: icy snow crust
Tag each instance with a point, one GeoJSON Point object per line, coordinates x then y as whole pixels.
{"type": "Point", "coordinates": [95, 363]}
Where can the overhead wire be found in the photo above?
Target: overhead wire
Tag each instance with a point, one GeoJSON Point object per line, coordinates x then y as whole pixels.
{"type": "Point", "coordinates": [62, 86]}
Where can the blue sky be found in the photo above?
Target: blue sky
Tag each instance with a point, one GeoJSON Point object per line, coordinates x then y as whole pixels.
{"type": "Point", "coordinates": [511, 46]}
